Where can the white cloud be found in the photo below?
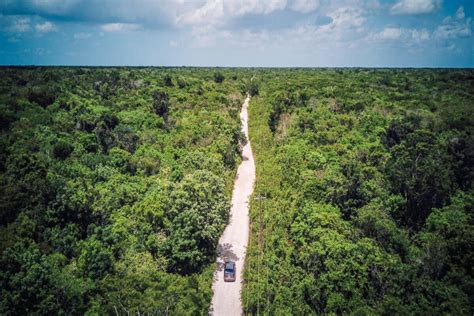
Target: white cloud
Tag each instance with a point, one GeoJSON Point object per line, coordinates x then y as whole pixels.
{"type": "Point", "coordinates": [220, 12]}
{"type": "Point", "coordinates": [173, 44]}
{"type": "Point", "coordinates": [82, 35]}
{"type": "Point", "coordinates": [211, 12]}
{"type": "Point", "coordinates": [304, 6]}
{"type": "Point", "coordinates": [407, 37]}
{"type": "Point", "coordinates": [420, 35]}
{"type": "Point", "coordinates": [415, 6]}
{"type": "Point", "coordinates": [45, 27]}
{"type": "Point", "coordinates": [121, 27]}
{"type": "Point", "coordinates": [20, 25]}
{"type": "Point", "coordinates": [460, 13]}
{"type": "Point", "coordinates": [454, 27]}
{"type": "Point", "coordinates": [348, 17]}
{"type": "Point", "coordinates": [390, 33]}
{"type": "Point", "coordinates": [14, 24]}
{"type": "Point", "coordinates": [243, 7]}
{"type": "Point", "coordinates": [230, 14]}
{"type": "Point", "coordinates": [344, 24]}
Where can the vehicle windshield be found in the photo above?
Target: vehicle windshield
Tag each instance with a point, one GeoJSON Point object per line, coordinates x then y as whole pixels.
{"type": "Point", "coordinates": [229, 267]}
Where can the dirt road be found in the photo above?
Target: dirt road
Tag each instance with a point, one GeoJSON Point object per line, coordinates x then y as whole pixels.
{"type": "Point", "coordinates": [233, 242]}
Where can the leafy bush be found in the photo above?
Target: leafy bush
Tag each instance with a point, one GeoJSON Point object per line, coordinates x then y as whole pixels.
{"type": "Point", "coordinates": [42, 95]}
{"type": "Point", "coordinates": [168, 80]}
{"type": "Point", "coordinates": [62, 150]}
{"type": "Point", "coordinates": [161, 103]}
{"type": "Point", "coordinates": [218, 77]}
{"type": "Point", "coordinates": [198, 215]}
{"type": "Point", "coordinates": [253, 88]}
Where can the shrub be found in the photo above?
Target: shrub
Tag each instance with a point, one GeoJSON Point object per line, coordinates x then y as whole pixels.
{"type": "Point", "coordinates": [62, 150]}
{"type": "Point", "coordinates": [168, 80]}
{"type": "Point", "coordinates": [252, 88]}
{"type": "Point", "coordinates": [42, 95]}
{"type": "Point", "coordinates": [218, 77]}
{"type": "Point", "coordinates": [161, 102]}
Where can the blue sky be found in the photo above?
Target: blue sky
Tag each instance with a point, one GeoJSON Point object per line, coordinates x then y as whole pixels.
{"type": "Point", "coordinates": [282, 33]}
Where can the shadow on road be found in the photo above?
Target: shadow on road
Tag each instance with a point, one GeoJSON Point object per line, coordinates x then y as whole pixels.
{"type": "Point", "coordinates": [225, 253]}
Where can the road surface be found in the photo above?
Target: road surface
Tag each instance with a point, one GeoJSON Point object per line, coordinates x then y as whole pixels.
{"type": "Point", "coordinates": [233, 242]}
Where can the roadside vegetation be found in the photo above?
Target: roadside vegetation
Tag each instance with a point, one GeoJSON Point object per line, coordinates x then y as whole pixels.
{"type": "Point", "coordinates": [115, 187]}
{"type": "Point", "coordinates": [364, 201]}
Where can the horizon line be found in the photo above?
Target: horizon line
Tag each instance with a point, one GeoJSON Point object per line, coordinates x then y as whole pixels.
{"type": "Point", "coordinates": [229, 67]}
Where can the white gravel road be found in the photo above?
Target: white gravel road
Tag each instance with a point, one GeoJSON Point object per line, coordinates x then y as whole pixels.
{"type": "Point", "coordinates": [233, 242]}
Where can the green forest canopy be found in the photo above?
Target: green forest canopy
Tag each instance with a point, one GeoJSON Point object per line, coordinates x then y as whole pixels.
{"type": "Point", "coordinates": [116, 182]}
{"type": "Point", "coordinates": [367, 175]}
{"type": "Point", "coordinates": [115, 187]}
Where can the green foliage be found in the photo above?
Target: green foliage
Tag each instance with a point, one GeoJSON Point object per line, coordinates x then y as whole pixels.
{"type": "Point", "coordinates": [114, 188]}
{"type": "Point", "coordinates": [198, 214]}
{"type": "Point", "coordinates": [219, 77]}
{"type": "Point", "coordinates": [161, 103]}
{"type": "Point", "coordinates": [62, 150]}
{"type": "Point", "coordinates": [36, 283]}
{"type": "Point", "coordinates": [42, 95]}
{"type": "Point", "coordinates": [368, 186]}
{"type": "Point", "coordinates": [252, 88]}
{"type": "Point", "coordinates": [420, 171]}
{"type": "Point", "coordinates": [168, 80]}
{"type": "Point", "coordinates": [182, 83]}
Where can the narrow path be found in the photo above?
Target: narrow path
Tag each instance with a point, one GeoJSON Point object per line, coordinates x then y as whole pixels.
{"type": "Point", "coordinates": [233, 242]}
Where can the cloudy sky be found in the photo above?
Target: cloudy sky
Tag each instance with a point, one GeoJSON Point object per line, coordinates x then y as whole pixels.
{"type": "Point", "coordinates": [321, 33]}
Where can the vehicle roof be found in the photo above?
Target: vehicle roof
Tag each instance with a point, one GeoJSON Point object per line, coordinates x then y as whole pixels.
{"type": "Point", "coordinates": [229, 264]}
